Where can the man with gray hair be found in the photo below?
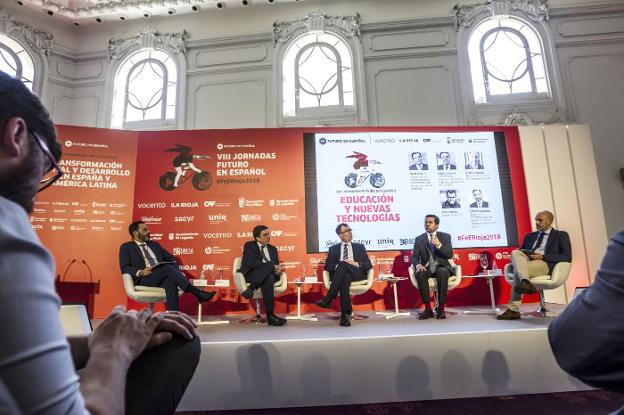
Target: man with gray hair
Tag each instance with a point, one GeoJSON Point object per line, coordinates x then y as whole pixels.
{"type": "Point", "coordinates": [540, 252]}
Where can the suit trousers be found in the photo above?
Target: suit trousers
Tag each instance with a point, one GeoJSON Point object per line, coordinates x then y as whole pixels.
{"type": "Point", "coordinates": [264, 278]}
{"type": "Point", "coordinates": [157, 379]}
{"type": "Point", "coordinates": [169, 278]}
{"type": "Point", "coordinates": [341, 282]}
{"type": "Point", "coordinates": [441, 275]}
{"type": "Point", "coordinates": [524, 269]}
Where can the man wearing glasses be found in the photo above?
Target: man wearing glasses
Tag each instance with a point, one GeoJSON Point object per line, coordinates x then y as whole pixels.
{"type": "Point", "coordinates": [261, 267]}
{"type": "Point", "coordinates": [37, 362]}
{"type": "Point", "coordinates": [346, 261]}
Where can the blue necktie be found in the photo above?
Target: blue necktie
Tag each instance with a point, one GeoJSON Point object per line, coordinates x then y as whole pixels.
{"type": "Point", "coordinates": [148, 257]}
{"type": "Point", "coordinates": [540, 238]}
{"type": "Point", "coordinates": [432, 261]}
{"type": "Point", "coordinates": [263, 254]}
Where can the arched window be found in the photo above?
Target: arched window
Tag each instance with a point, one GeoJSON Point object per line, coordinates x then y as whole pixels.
{"type": "Point", "coordinates": [145, 90]}
{"type": "Point", "coordinates": [506, 61]}
{"type": "Point", "coordinates": [317, 76]}
{"type": "Point", "coordinates": [16, 61]}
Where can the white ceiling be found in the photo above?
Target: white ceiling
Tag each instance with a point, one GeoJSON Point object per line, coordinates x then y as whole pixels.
{"type": "Point", "coordinates": [97, 11]}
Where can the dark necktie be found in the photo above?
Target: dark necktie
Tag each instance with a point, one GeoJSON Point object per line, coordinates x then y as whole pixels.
{"type": "Point", "coordinates": [345, 252]}
{"type": "Point", "coordinates": [432, 261]}
{"type": "Point", "coordinates": [264, 255]}
{"type": "Point", "coordinates": [148, 257]}
{"type": "Point", "coordinates": [540, 238]}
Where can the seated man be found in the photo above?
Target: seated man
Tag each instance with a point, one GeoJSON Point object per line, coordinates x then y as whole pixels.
{"type": "Point", "coordinates": [586, 338]}
{"type": "Point", "coordinates": [540, 252]}
{"type": "Point", "coordinates": [37, 362]}
{"type": "Point", "coordinates": [151, 265]}
{"type": "Point", "coordinates": [346, 262]}
{"type": "Point", "coordinates": [261, 268]}
{"type": "Point", "coordinates": [430, 258]}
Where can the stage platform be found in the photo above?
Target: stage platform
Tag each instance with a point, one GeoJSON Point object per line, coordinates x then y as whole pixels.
{"type": "Point", "coordinates": [245, 366]}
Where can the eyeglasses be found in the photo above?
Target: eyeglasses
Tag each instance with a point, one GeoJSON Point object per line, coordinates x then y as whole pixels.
{"type": "Point", "coordinates": [345, 231]}
{"type": "Point", "coordinates": [52, 172]}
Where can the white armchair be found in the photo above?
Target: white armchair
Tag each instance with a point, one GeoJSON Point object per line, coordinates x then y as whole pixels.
{"type": "Point", "coordinates": [356, 288]}
{"type": "Point", "coordinates": [453, 281]}
{"type": "Point", "coordinates": [144, 294]}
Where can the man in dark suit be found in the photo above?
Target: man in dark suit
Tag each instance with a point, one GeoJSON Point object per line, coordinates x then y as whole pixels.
{"type": "Point", "coordinates": [142, 258]}
{"type": "Point", "coordinates": [451, 200]}
{"type": "Point", "coordinates": [430, 259]}
{"type": "Point", "coordinates": [445, 161]}
{"type": "Point", "coordinates": [479, 202]}
{"type": "Point", "coordinates": [417, 162]}
{"type": "Point", "coordinates": [586, 338]}
{"type": "Point", "coordinates": [346, 262]}
{"type": "Point", "coordinates": [540, 252]}
{"type": "Point", "coordinates": [261, 266]}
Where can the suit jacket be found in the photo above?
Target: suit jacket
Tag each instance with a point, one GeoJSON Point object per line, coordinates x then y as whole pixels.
{"type": "Point", "coordinates": [447, 205]}
{"type": "Point", "coordinates": [423, 167]}
{"type": "Point", "coordinates": [473, 167]}
{"type": "Point", "coordinates": [558, 247]}
{"type": "Point", "coordinates": [252, 257]}
{"type": "Point", "coordinates": [360, 256]}
{"type": "Point", "coordinates": [587, 338]}
{"type": "Point", "coordinates": [131, 258]}
{"type": "Point", "coordinates": [484, 204]}
{"type": "Point", "coordinates": [451, 167]}
{"type": "Point", "coordinates": [422, 247]}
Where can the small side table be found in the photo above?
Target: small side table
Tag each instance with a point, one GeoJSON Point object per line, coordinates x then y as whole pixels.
{"type": "Point", "coordinates": [306, 317]}
{"type": "Point", "coordinates": [494, 310]}
{"type": "Point", "coordinates": [201, 286]}
{"type": "Point", "coordinates": [396, 313]}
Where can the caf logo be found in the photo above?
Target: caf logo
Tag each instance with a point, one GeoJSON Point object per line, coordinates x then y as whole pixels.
{"type": "Point", "coordinates": [276, 216]}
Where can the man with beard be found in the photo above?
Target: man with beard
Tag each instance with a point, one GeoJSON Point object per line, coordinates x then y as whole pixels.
{"type": "Point", "coordinates": [151, 265]}
{"type": "Point", "coordinates": [148, 358]}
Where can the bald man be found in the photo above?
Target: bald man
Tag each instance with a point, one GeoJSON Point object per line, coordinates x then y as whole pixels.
{"type": "Point", "coordinates": [540, 252]}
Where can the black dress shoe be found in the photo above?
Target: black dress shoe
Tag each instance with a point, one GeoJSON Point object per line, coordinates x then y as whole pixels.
{"type": "Point", "coordinates": [248, 293]}
{"type": "Point", "coordinates": [204, 297]}
{"type": "Point", "coordinates": [273, 320]}
{"type": "Point", "coordinates": [509, 315]}
{"type": "Point", "coordinates": [324, 302]}
{"type": "Point", "coordinates": [428, 313]}
{"type": "Point", "coordinates": [345, 320]}
{"type": "Point", "coordinates": [440, 314]}
{"type": "Point", "coordinates": [525, 287]}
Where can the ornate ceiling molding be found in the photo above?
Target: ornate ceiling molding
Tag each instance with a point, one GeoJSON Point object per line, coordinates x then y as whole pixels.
{"type": "Point", "coordinates": [37, 41]}
{"type": "Point", "coordinates": [173, 43]}
{"type": "Point", "coordinates": [517, 118]}
{"type": "Point", "coordinates": [467, 16]}
{"type": "Point", "coordinates": [347, 26]}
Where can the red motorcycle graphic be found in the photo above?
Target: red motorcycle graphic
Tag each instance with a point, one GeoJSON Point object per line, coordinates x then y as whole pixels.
{"type": "Point", "coordinates": [201, 179]}
{"type": "Point", "coordinates": [363, 171]}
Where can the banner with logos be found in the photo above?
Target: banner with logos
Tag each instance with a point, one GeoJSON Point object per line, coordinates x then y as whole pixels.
{"type": "Point", "coordinates": [201, 192]}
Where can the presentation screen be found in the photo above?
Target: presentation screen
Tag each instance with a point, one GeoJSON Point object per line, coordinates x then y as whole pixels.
{"type": "Point", "coordinates": [383, 184]}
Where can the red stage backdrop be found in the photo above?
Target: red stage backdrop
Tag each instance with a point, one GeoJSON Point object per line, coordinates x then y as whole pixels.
{"type": "Point", "coordinates": [241, 178]}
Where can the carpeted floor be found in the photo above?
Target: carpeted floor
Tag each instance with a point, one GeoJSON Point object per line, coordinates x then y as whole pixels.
{"type": "Point", "coordinates": [593, 402]}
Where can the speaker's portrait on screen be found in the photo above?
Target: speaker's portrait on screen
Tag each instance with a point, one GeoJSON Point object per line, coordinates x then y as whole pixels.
{"type": "Point", "coordinates": [478, 203]}
{"type": "Point", "coordinates": [450, 199]}
{"type": "Point", "coordinates": [474, 160]}
{"type": "Point", "coordinates": [418, 161]}
{"type": "Point", "coordinates": [446, 160]}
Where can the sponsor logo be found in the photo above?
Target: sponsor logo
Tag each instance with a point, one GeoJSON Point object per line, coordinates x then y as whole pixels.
{"type": "Point", "coordinates": [57, 211]}
{"type": "Point", "coordinates": [283, 202]}
{"type": "Point", "coordinates": [98, 205]}
{"type": "Point", "coordinates": [472, 256]}
{"type": "Point", "coordinates": [455, 257]}
{"type": "Point", "coordinates": [77, 228]}
{"type": "Point", "coordinates": [499, 255]}
{"type": "Point", "coordinates": [283, 217]}
{"type": "Point", "coordinates": [290, 264]}
{"type": "Point", "coordinates": [188, 267]}
{"type": "Point", "coordinates": [184, 204]}
{"type": "Point", "coordinates": [385, 241]}
{"type": "Point", "coordinates": [97, 228]}
{"type": "Point", "coordinates": [97, 221]}
{"type": "Point", "coordinates": [79, 212]}
{"type": "Point", "coordinates": [220, 146]}
{"type": "Point", "coordinates": [37, 210]}
{"type": "Point", "coordinates": [99, 212]}
{"type": "Point", "coordinates": [37, 226]}
{"type": "Point", "coordinates": [116, 228]}
{"type": "Point", "coordinates": [152, 205]}
{"type": "Point", "coordinates": [218, 218]}
{"type": "Point", "coordinates": [217, 235]}
{"type": "Point", "coordinates": [58, 220]}
{"type": "Point", "coordinates": [58, 228]}
{"type": "Point", "coordinates": [286, 248]}
{"type": "Point", "coordinates": [182, 251]}
{"type": "Point", "coordinates": [35, 219]}
{"type": "Point", "coordinates": [150, 220]}
{"type": "Point", "coordinates": [322, 141]}
{"type": "Point", "coordinates": [210, 203]}
{"type": "Point", "coordinates": [250, 218]}
{"type": "Point", "coordinates": [242, 202]}
{"type": "Point", "coordinates": [171, 236]}
{"type": "Point", "coordinates": [117, 213]}
{"type": "Point", "coordinates": [69, 143]}
{"type": "Point", "coordinates": [156, 236]}
{"type": "Point", "coordinates": [184, 219]}
{"type": "Point", "coordinates": [208, 267]}
{"type": "Point", "coordinates": [406, 241]}
{"type": "Point", "coordinates": [215, 250]}
{"type": "Point", "coordinates": [76, 220]}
